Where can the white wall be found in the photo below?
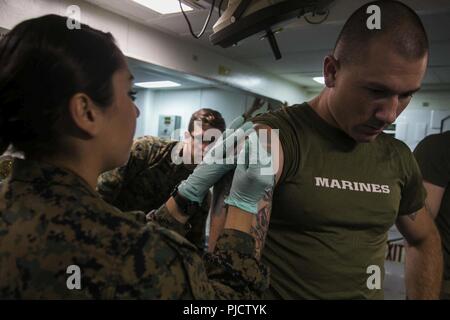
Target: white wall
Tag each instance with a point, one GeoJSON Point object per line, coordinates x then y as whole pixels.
{"type": "Point", "coordinates": [418, 121]}
{"type": "Point", "coordinates": [183, 103]}
{"type": "Point", "coordinates": [144, 102]}
{"type": "Point", "coordinates": [437, 100]}
{"type": "Point", "coordinates": [414, 124]}
{"type": "Point", "coordinates": [158, 48]}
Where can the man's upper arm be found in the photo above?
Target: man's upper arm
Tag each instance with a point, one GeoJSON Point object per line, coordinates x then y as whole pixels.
{"type": "Point", "coordinates": [274, 146]}
{"type": "Point", "coordinates": [434, 198]}
{"type": "Point", "coordinates": [260, 225]}
{"type": "Point", "coordinates": [110, 183]}
{"type": "Point", "coordinates": [262, 219]}
{"type": "Point", "coordinates": [416, 227]}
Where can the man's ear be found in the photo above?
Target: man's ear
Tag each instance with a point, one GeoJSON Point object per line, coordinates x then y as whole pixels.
{"type": "Point", "coordinates": [85, 114]}
{"type": "Point", "coordinates": [187, 135]}
{"type": "Point", "coordinates": [330, 69]}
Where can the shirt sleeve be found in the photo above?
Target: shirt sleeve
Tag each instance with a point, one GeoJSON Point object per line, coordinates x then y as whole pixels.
{"type": "Point", "coordinates": [232, 271]}
{"type": "Point", "coordinates": [233, 264]}
{"type": "Point", "coordinates": [110, 183]}
{"type": "Point", "coordinates": [194, 230]}
{"type": "Point", "coordinates": [282, 120]}
{"type": "Point", "coordinates": [160, 264]}
{"type": "Point", "coordinates": [153, 267]}
{"type": "Point", "coordinates": [433, 156]}
{"type": "Point", "coordinates": [163, 218]}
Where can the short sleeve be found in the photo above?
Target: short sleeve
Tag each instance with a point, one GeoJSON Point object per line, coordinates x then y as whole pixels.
{"type": "Point", "coordinates": [282, 121]}
{"type": "Point", "coordinates": [433, 156]}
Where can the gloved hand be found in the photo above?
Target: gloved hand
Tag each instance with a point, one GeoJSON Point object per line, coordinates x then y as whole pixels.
{"type": "Point", "coordinates": [237, 122]}
{"type": "Point", "coordinates": [220, 159]}
{"type": "Point", "coordinates": [255, 109]}
{"type": "Point", "coordinates": [252, 177]}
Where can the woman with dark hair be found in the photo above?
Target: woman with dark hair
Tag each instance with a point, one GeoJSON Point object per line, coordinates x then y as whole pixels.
{"type": "Point", "coordinates": [66, 103]}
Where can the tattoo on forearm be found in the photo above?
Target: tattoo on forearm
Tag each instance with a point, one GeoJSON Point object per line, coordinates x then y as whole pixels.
{"type": "Point", "coordinates": [261, 226]}
{"type": "Point", "coordinates": [219, 210]}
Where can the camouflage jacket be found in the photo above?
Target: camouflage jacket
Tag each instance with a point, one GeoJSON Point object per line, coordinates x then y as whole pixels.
{"type": "Point", "coordinates": [5, 166]}
{"type": "Point", "coordinates": [146, 181]}
{"type": "Point", "coordinates": [51, 219]}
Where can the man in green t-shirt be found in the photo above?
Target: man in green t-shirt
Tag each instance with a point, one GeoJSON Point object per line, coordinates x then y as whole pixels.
{"type": "Point", "coordinates": [341, 182]}
{"type": "Point", "coordinates": [433, 157]}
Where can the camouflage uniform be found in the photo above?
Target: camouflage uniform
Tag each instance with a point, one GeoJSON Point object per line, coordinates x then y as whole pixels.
{"type": "Point", "coordinates": [147, 180]}
{"type": "Point", "coordinates": [5, 166]}
{"type": "Point", "coordinates": [50, 219]}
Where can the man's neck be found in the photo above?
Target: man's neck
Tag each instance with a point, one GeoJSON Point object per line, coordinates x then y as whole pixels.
{"type": "Point", "coordinates": [321, 105]}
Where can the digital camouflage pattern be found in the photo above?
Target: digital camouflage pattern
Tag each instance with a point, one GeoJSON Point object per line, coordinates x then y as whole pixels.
{"type": "Point", "coordinates": [146, 181]}
{"type": "Point", "coordinates": [50, 219]}
{"type": "Point", "coordinates": [5, 166]}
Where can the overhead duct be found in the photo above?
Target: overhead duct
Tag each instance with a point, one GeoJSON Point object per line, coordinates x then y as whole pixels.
{"type": "Point", "coordinates": [244, 18]}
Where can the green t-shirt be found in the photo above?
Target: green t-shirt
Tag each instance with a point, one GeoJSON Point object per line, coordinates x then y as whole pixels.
{"type": "Point", "coordinates": [333, 207]}
{"type": "Point", "coordinates": [433, 157]}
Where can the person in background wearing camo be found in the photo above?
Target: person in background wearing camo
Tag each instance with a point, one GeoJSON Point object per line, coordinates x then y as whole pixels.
{"type": "Point", "coordinates": [5, 166]}
{"type": "Point", "coordinates": [6, 161]}
{"type": "Point", "coordinates": [146, 181]}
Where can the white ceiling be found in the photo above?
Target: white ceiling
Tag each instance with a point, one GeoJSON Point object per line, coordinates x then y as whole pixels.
{"type": "Point", "coordinates": [302, 45]}
{"type": "Point", "coordinates": [144, 72]}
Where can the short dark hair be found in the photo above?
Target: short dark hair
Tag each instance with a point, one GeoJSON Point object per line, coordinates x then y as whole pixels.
{"type": "Point", "coordinates": [42, 65]}
{"type": "Point", "coordinates": [210, 117]}
{"type": "Point", "coordinates": [400, 25]}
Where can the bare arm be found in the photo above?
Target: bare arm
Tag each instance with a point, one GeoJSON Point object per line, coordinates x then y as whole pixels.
{"type": "Point", "coordinates": [259, 223]}
{"type": "Point", "coordinates": [220, 213]}
{"type": "Point", "coordinates": [434, 198]}
{"type": "Point", "coordinates": [423, 266]}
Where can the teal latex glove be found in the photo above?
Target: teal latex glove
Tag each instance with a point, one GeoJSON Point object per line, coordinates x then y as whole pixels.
{"type": "Point", "coordinates": [256, 109]}
{"type": "Point", "coordinates": [250, 180]}
{"type": "Point", "coordinates": [220, 159]}
{"type": "Point", "coordinates": [237, 122]}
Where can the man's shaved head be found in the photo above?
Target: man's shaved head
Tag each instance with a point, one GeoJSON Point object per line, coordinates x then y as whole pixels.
{"type": "Point", "coordinates": [401, 28]}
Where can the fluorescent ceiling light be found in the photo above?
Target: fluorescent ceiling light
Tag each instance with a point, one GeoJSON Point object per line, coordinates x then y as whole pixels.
{"type": "Point", "coordinates": [163, 6]}
{"type": "Point", "coordinates": [157, 84]}
{"type": "Point", "coordinates": [320, 80]}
